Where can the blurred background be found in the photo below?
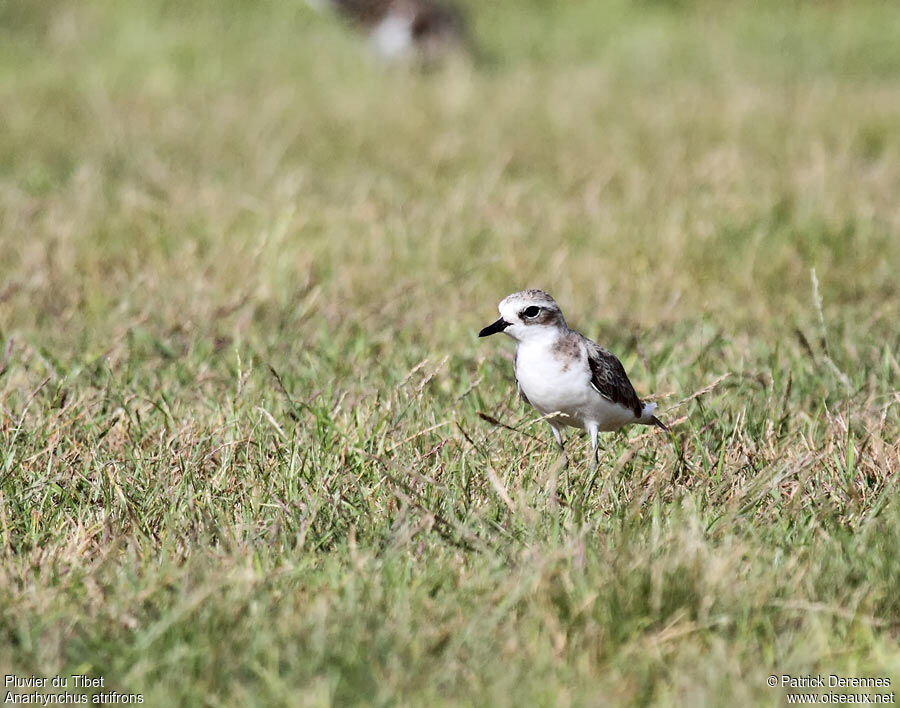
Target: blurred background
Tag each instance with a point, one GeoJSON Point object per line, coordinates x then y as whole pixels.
{"type": "Point", "coordinates": [638, 158]}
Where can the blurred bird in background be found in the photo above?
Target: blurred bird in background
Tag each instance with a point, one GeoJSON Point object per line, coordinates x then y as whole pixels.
{"type": "Point", "coordinates": [426, 31]}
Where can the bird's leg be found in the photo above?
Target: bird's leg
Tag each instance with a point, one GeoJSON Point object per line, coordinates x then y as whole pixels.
{"type": "Point", "coordinates": [589, 484]}
{"type": "Point", "coordinates": [592, 429]}
{"type": "Point", "coordinates": [557, 435]}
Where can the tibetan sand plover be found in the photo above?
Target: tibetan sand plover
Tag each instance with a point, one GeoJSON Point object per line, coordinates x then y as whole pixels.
{"type": "Point", "coordinates": [424, 29]}
{"type": "Point", "coordinates": [568, 378]}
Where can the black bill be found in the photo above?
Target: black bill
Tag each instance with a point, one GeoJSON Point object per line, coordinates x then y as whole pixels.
{"type": "Point", "coordinates": [493, 328]}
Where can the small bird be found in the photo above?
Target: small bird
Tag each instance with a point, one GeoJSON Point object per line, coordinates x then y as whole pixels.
{"type": "Point", "coordinates": [426, 29]}
{"type": "Point", "coordinates": [563, 374]}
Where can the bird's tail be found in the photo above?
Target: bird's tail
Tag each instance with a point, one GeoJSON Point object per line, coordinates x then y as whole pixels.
{"type": "Point", "coordinates": [647, 417]}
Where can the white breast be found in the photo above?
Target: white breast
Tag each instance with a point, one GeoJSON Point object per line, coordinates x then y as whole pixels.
{"type": "Point", "coordinates": [557, 385]}
{"type": "Point", "coordinates": [393, 35]}
{"type": "Point", "coordinates": [552, 385]}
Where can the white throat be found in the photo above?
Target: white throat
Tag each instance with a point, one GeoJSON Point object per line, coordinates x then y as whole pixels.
{"type": "Point", "coordinates": [534, 335]}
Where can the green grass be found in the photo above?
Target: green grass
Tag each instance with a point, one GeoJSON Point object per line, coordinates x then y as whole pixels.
{"type": "Point", "coordinates": [241, 271]}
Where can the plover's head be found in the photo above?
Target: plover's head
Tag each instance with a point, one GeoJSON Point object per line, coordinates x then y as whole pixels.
{"type": "Point", "coordinates": [525, 315]}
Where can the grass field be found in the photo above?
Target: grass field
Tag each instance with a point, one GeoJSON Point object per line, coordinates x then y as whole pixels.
{"type": "Point", "coordinates": [242, 268]}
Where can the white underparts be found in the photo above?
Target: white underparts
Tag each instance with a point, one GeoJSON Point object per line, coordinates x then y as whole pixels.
{"type": "Point", "coordinates": [392, 37]}
{"type": "Point", "coordinates": [559, 383]}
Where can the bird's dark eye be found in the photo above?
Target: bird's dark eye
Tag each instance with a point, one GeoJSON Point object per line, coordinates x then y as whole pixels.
{"type": "Point", "coordinates": [532, 311]}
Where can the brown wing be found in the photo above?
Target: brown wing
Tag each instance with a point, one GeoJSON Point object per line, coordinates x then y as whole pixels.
{"type": "Point", "coordinates": [366, 13]}
{"type": "Point", "coordinates": [609, 379]}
